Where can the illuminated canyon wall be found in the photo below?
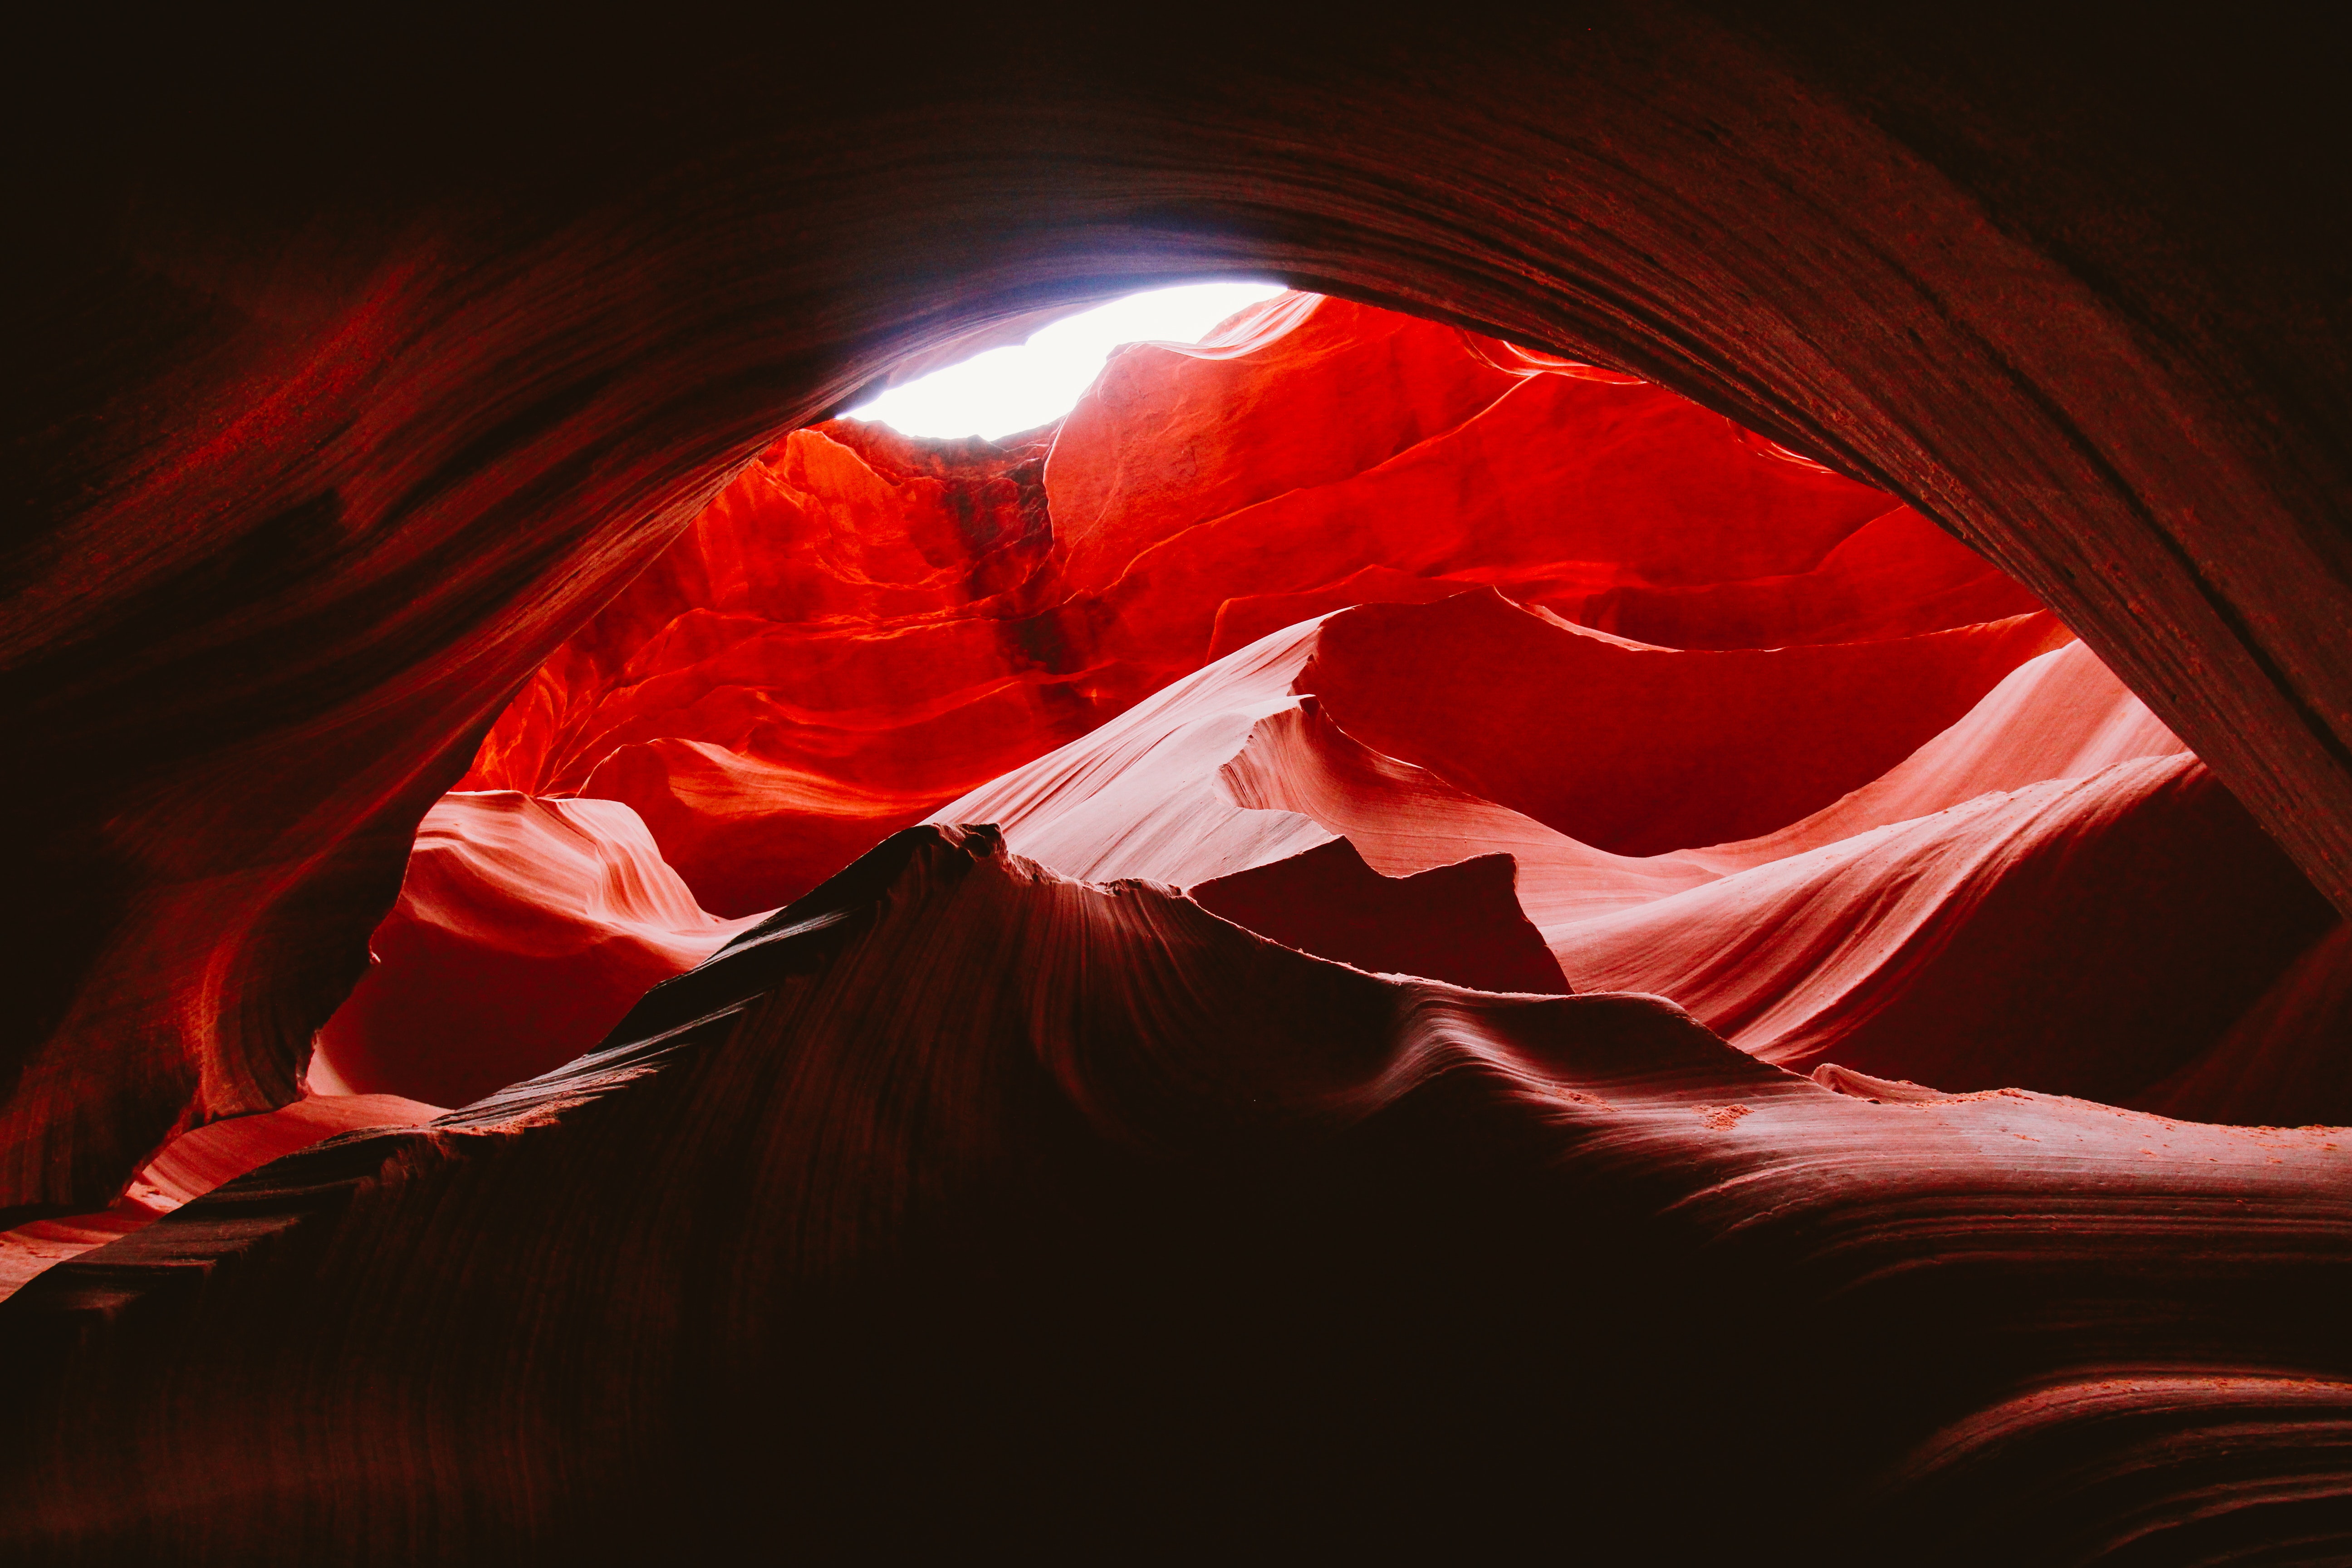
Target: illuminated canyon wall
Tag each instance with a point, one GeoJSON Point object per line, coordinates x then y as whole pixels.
{"type": "Point", "coordinates": [1855, 800]}
{"type": "Point", "coordinates": [1471, 953]}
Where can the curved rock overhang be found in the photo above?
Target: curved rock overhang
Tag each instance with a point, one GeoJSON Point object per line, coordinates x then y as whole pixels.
{"type": "Point", "coordinates": [354, 384]}
{"type": "Point", "coordinates": [354, 388]}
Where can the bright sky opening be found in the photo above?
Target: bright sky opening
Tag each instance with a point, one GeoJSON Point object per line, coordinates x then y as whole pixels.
{"type": "Point", "coordinates": [1022, 386]}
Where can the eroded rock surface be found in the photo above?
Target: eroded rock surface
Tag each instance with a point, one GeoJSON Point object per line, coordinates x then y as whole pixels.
{"type": "Point", "coordinates": [998, 1205]}
{"type": "Point", "coordinates": [986, 1205]}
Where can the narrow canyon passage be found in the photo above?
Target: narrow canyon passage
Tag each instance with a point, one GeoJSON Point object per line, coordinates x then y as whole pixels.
{"type": "Point", "coordinates": [1652, 867]}
{"type": "Point", "coordinates": [1753, 737]}
{"type": "Point", "coordinates": [1350, 785]}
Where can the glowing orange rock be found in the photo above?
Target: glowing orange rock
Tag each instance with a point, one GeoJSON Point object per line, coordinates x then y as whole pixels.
{"type": "Point", "coordinates": [195, 1163]}
{"type": "Point", "coordinates": [863, 627]}
{"type": "Point", "coordinates": [2048, 891]}
{"type": "Point", "coordinates": [1641, 750]}
{"type": "Point", "coordinates": [1741, 732]}
{"type": "Point", "coordinates": [1295, 394]}
{"type": "Point", "coordinates": [525, 929]}
{"type": "Point", "coordinates": [738, 829]}
{"type": "Point", "coordinates": [2077, 936]}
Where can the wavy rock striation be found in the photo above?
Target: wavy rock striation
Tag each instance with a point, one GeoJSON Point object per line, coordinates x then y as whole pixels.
{"type": "Point", "coordinates": [194, 1164]}
{"type": "Point", "coordinates": [995, 1205]}
{"type": "Point", "coordinates": [524, 929]}
{"type": "Point", "coordinates": [982, 1198]}
{"type": "Point", "coordinates": [351, 383]}
{"type": "Point", "coordinates": [1960, 853]}
{"type": "Point", "coordinates": [2047, 893]}
{"type": "Point", "coordinates": [862, 627]}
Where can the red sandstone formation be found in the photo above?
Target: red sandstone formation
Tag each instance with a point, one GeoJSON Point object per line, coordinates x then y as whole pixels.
{"type": "Point", "coordinates": [1639, 749]}
{"type": "Point", "coordinates": [1458, 923]}
{"type": "Point", "coordinates": [974, 1202]}
{"type": "Point", "coordinates": [939, 1145]}
{"type": "Point", "coordinates": [192, 1165]}
{"type": "Point", "coordinates": [1917, 853]}
{"type": "Point", "coordinates": [525, 929]}
{"type": "Point", "coordinates": [2283, 1060]}
{"type": "Point", "coordinates": [1961, 854]}
{"type": "Point", "coordinates": [2048, 893]}
{"type": "Point", "coordinates": [860, 628]}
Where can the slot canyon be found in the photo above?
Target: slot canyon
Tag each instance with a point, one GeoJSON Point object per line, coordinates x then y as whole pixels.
{"type": "Point", "coordinates": [1656, 869]}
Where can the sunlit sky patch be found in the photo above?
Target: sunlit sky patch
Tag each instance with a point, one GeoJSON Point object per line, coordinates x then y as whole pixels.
{"type": "Point", "coordinates": [1021, 387]}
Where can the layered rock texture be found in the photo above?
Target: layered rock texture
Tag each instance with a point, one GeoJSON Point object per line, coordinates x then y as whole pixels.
{"type": "Point", "coordinates": [1860, 800]}
{"type": "Point", "coordinates": [1682, 843]}
{"type": "Point", "coordinates": [1384, 943]}
{"type": "Point", "coordinates": [861, 627]}
{"type": "Point", "coordinates": [998, 1205]}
